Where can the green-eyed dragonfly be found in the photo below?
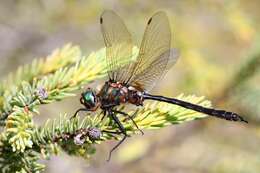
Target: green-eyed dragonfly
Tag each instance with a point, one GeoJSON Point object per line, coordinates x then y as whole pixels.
{"type": "Point", "coordinates": [130, 83]}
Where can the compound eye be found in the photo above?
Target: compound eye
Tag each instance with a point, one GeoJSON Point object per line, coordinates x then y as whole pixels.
{"type": "Point", "coordinates": [89, 98]}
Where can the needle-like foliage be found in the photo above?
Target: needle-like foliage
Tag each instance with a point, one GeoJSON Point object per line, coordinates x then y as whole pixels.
{"type": "Point", "coordinates": [55, 78]}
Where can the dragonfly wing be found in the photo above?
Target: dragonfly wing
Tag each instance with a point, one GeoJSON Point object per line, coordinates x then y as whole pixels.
{"type": "Point", "coordinates": [118, 44]}
{"type": "Point", "coordinates": [155, 55]}
{"type": "Point", "coordinates": [147, 78]}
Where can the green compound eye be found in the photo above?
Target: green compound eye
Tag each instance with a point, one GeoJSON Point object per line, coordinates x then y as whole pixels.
{"type": "Point", "coordinates": [89, 97]}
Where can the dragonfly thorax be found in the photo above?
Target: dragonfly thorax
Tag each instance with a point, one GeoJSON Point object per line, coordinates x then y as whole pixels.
{"type": "Point", "coordinates": [116, 93]}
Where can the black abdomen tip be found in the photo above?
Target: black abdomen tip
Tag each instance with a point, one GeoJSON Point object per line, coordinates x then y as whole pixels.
{"type": "Point", "coordinates": [235, 117]}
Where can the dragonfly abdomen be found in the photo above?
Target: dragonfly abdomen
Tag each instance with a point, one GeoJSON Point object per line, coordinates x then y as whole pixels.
{"type": "Point", "coordinates": [231, 116]}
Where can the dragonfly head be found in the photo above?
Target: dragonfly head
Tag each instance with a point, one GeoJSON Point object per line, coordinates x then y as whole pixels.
{"type": "Point", "coordinates": [89, 99]}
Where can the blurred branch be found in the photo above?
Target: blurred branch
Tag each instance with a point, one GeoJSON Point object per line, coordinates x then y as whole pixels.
{"type": "Point", "coordinates": [33, 72]}
{"type": "Point", "coordinates": [22, 140]}
{"type": "Point", "coordinates": [48, 80]}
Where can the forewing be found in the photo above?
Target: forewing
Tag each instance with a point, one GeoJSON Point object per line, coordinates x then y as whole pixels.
{"type": "Point", "coordinates": [154, 53]}
{"type": "Point", "coordinates": [118, 44]}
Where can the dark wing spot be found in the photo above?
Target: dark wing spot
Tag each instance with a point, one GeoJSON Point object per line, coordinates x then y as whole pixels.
{"type": "Point", "coordinates": [101, 20]}
{"type": "Point", "coordinates": [149, 21]}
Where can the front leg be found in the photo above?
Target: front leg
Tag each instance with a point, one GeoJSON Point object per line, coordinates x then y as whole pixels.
{"type": "Point", "coordinates": [130, 117]}
{"type": "Point", "coordinates": [79, 110]}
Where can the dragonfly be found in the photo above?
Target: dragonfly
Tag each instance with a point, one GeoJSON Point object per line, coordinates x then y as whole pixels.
{"type": "Point", "coordinates": [130, 83]}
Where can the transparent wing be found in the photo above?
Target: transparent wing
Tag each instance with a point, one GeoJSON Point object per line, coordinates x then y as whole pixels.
{"type": "Point", "coordinates": [147, 78]}
{"type": "Point", "coordinates": [118, 43]}
{"type": "Point", "coordinates": [154, 53]}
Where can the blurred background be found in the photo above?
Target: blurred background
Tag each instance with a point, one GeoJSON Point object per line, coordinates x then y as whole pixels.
{"type": "Point", "coordinates": [220, 59]}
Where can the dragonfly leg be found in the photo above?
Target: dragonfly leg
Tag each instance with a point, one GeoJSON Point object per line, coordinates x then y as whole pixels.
{"type": "Point", "coordinates": [122, 130]}
{"type": "Point", "coordinates": [79, 110]}
{"type": "Point", "coordinates": [112, 132]}
{"type": "Point", "coordinates": [130, 117]}
{"type": "Point", "coordinates": [104, 114]}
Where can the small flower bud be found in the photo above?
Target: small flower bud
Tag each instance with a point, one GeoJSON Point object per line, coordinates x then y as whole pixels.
{"type": "Point", "coordinates": [78, 140]}
{"type": "Point", "coordinates": [42, 93]}
{"type": "Point", "coordinates": [94, 133]}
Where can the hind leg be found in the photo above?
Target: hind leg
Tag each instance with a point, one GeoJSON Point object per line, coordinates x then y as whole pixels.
{"type": "Point", "coordinates": [122, 130]}
{"type": "Point", "coordinates": [130, 117]}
